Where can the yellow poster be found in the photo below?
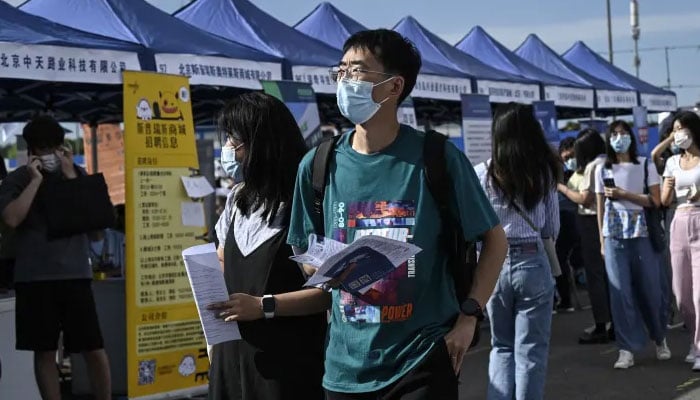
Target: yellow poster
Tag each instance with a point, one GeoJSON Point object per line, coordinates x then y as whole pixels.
{"type": "Point", "coordinates": [166, 351]}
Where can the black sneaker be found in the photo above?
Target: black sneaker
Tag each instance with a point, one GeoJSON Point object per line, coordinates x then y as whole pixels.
{"type": "Point", "coordinates": [595, 337]}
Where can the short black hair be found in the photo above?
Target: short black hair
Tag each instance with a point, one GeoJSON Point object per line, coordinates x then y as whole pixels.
{"type": "Point", "coordinates": [589, 145]}
{"type": "Point", "coordinates": [566, 144]}
{"type": "Point", "coordinates": [43, 132]}
{"type": "Point", "coordinates": [397, 54]}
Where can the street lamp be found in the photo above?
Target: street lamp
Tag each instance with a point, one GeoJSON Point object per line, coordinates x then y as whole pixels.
{"type": "Point", "coordinates": [634, 21]}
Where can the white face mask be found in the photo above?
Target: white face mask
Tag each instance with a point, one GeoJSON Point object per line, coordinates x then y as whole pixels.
{"type": "Point", "coordinates": [50, 162]}
{"type": "Point", "coordinates": [682, 139]}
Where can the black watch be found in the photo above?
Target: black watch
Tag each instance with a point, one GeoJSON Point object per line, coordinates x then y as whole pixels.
{"type": "Point", "coordinates": [268, 306]}
{"type": "Point", "coordinates": [472, 308]}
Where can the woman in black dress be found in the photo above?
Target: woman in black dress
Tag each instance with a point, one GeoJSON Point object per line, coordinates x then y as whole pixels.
{"type": "Point", "coordinates": [282, 357]}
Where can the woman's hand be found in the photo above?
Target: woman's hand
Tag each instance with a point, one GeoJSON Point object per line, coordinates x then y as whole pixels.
{"type": "Point", "coordinates": [562, 188]}
{"type": "Point", "coordinates": [615, 193]}
{"type": "Point", "coordinates": [239, 307]}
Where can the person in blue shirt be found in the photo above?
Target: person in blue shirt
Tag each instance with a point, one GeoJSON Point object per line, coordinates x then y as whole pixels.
{"type": "Point", "coordinates": [406, 337]}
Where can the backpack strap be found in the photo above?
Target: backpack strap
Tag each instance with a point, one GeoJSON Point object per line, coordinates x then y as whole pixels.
{"type": "Point", "coordinates": [461, 255]}
{"type": "Point", "coordinates": [319, 172]}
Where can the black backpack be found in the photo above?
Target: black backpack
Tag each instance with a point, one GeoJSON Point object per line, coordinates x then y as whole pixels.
{"type": "Point", "coordinates": [461, 254]}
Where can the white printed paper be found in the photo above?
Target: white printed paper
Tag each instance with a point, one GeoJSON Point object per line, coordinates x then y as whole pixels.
{"type": "Point", "coordinates": [358, 265]}
{"type": "Point", "coordinates": [208, 286]}
{"type": "Point", "coordinates": [197, 186]}
{"type": "Point", "coordinates": [192, 214]}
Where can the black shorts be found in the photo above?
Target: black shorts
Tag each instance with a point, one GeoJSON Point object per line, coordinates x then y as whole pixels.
{"type": "Point", "coordinates": [47, 308]}
{"type": "Point", "coordinates": [432, 378]}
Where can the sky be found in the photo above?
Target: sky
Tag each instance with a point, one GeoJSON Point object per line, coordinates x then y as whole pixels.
{"type": "Point", "coordinates": [559, 23]}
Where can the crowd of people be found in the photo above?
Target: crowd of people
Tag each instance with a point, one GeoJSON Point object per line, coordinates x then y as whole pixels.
{"type": "Point", "coordinates": [631, 223]}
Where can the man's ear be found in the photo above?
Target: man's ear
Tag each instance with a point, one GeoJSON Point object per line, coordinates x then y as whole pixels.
{"type": "Point", "coordinates": [397, 85]}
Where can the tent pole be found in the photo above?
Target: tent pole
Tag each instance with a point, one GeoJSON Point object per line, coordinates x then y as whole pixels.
{"type": "Point", "coordinates": [93, 146]}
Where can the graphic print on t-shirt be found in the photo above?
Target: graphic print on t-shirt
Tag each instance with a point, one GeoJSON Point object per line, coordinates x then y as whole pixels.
{"type": "Point", "coordinates": [391, 298]}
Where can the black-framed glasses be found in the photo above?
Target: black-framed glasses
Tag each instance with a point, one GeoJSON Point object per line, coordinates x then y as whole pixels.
{"type": "Point", "coordinates": [352, 73]}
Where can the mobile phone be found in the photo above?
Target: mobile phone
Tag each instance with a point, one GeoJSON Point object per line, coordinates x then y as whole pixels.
{"type": "Point", "coordinates": [609, 182]}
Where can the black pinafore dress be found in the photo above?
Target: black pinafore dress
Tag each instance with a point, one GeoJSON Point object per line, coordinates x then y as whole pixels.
{"type": "Point", "coordinates": [279, 358]}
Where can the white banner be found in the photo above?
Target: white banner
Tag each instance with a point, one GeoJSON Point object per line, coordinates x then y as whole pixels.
{"type": "Point", "coordinates": [616, 99]}
{"type": "Point", "coordinates": [563, 96]}
{"type": "Point", "coordinates": [441, 87]}
{"type": "Point", "coordinates": [659, 102]}
{"type": "Point", "coordinates": [504, 92]}
{"type": "Point", "coordinates": [318, 77]}
{"type": "Point", "coordinates": [221, 71]}
{"type": "Point", "coordinates": [65, 64]}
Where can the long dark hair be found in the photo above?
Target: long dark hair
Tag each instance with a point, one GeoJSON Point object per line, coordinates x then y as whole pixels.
{"type": "Point", "coordinates": [588, 146]}
{"type": "Point", "coordinates": [690, 121]}
{"type": "Point", "coordinates": [523, 164]}
{"type": "Point", "coordinates": [273, 147]}
{"type": "Point", "coordinates": [611, 155]}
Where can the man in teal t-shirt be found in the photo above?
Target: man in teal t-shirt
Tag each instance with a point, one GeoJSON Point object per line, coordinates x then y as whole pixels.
{"type": "Point", "coordinates": [404, 338]}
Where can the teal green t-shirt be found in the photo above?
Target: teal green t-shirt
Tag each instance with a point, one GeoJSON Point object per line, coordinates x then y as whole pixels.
{"type": "Point", "coordinates": [376, 338]}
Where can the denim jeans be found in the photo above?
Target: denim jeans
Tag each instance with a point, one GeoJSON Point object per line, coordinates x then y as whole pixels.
{"type": "Point", "coordinates": [636, 292]}
{"type": "Point", "coordinates": [520, 312]}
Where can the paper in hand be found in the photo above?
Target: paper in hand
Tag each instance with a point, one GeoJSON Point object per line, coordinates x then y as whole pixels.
{"type": "Point", "coordinates": [209, 286]}
{"type": "Point", "coordinates": [192, 213]}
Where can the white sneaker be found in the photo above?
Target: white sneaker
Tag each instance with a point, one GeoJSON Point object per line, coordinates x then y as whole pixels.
{"type": "Point", "coordinates": [625, 360]}
{"type": "Point", "coordinates": [696, 365]}
{"type": "Point", "coordinates": [662, 351]}
{"type": "Point", "coordinates": [690, 358]}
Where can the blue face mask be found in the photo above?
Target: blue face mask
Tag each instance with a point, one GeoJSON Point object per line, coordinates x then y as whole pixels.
{"type": "Point", "coordinates": [355, 100]}
{"type": "Point", "coordinates": [230, 165]}
{"type": "Point", "coordinates": [621, 143]}
{"type": "Point", "coordinates": [675, 149]}
{"type": "Point", "coordinates": [570, 164]}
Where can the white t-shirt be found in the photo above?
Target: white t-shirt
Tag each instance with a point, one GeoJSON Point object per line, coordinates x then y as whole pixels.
{"type": "Point", "coordinates": [629, 177]}
{"type": "Point", "coordinates": [685, 179]}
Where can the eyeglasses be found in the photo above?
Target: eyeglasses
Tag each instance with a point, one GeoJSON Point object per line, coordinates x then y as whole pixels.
{"type": "Point", "coordinates": [354, 73]}
{"type": "Point", "coordinates": [236, 148]}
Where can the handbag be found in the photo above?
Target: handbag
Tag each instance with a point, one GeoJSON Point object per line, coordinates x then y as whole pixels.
{"type": "Point", "coordinates": [653, 218]}
{"type": "Point", "coordinates": [548, 243]}
{"type": "Point", "coordinates": [76, 206]}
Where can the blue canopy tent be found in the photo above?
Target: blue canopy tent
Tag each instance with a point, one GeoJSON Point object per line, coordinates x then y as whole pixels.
{"type": "Point", "coordinates": [329, 25]}
{"type": "Point", "coordinates": [608, 96]}
{"type": "Point", "coordinates": [47, 67]}
{"type": "Point", "coordinates": [306, 59]}
{"type": "Point", "coordinates": [500, 86]}
{"type": "Point", "coordinates": [650, 96]}
{"type": "Point", "coordinates": [178, 47]}
{"type": "Point", "coordinates": [565, 93]}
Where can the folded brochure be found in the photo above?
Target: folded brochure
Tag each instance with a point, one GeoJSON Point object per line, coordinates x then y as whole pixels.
{"type": "Point", "coordinates": [355, 267]}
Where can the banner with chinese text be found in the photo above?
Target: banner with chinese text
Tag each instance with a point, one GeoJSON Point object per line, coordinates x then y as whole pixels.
{"type": "Point", "coordinates": [476, 127]}
{"type": "Point", "coordinates": [546, 114]}
{"type": "Point", "coordinates": [166, 351]}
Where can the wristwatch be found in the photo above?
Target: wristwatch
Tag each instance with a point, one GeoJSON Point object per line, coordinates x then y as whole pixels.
{"type": "Point", "coordinates": [268, 306]}
{"type": "Point", "coordinates": [471, 307]}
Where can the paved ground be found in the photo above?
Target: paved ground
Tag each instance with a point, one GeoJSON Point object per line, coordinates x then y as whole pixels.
{"type": "Point", "coordinates": [579, 372]}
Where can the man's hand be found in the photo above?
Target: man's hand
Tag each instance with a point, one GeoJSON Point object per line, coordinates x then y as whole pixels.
{"type": "Point", "coordinates": [459, 339]}
{"type": "Point", "coordinates": [65, 154]}
{"type": "Point", "coordinates": [34, 168]}
{"type": "Point", "coordinates": [239, 307]}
